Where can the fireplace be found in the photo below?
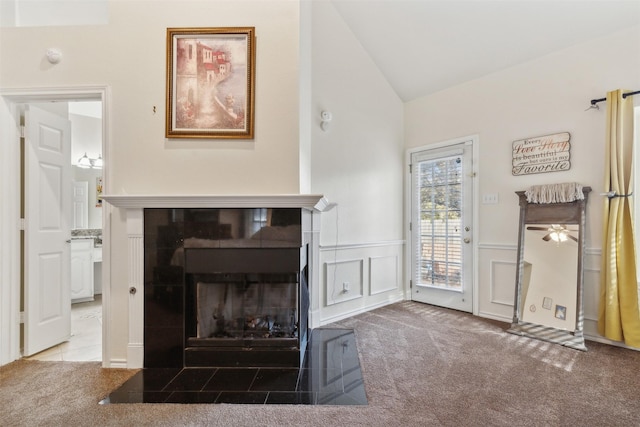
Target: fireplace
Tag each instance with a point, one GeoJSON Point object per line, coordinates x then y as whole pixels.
{"type": "Point", "coordinates": [164, 267]}
{"type": "Point", "coordinates": [225, 287]}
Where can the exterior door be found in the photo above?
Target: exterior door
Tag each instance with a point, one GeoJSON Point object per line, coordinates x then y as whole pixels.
{"type": "Point", "coordinates": [47, 230]}
{"type": "Point", "coordinates": [441, 221]}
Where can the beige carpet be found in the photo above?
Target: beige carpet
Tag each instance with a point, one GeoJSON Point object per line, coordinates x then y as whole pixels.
{"type": "Point", "coordinates": [422, 366]}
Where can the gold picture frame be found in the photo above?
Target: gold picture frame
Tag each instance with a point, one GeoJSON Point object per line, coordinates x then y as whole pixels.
{"type": "Point", "coordinates": [210, 82]}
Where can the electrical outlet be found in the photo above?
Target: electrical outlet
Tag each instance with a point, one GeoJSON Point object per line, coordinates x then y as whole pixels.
{"type": "Point", "coordinates": [346, 286]}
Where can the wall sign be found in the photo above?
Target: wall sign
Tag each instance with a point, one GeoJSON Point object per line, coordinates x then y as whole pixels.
{"type": "Point", "coordinates": [549, 153]}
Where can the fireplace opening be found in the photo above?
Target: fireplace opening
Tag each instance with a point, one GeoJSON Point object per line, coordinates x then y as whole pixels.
{"type": "Point", "coordinates": [232, 307]}
{"type": "Point", "coordinates": [245, 307]}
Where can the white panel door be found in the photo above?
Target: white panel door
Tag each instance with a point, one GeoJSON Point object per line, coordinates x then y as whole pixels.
{"type": "Point", "coordinates": [47, 230]}
{"type": "Point", "coordinates": [441, 220]}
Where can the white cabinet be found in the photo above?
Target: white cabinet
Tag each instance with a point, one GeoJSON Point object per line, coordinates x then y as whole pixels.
{"type": "Point", "coordinates": [81, 270]}
{"type": "Point", "coordinates": [97, 254]}
{"type": "Point", "coordinates": [97, 270]}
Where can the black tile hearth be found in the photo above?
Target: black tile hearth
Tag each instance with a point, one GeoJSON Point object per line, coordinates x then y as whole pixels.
{"type": "Point", "coordinates": [330, 375]}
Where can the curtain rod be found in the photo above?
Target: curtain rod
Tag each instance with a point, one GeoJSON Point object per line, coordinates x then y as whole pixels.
{"type": "Point", "coordinates": [624, 95]}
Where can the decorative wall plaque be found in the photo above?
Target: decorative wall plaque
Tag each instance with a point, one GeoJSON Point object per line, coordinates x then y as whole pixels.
{"type": "Point", "coordinates": [549, 153]}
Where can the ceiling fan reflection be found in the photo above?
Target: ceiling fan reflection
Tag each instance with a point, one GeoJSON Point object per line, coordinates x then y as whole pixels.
{"type": "Point", "coordinates": [556, 232]}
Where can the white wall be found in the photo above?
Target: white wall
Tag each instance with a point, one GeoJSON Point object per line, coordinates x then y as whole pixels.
{"type": "Point", "coordinates": [357, 163]}
{"type": "Point", "coordinates": [27, 13]}
{"type": "Point", "coordinates": [541, 97]}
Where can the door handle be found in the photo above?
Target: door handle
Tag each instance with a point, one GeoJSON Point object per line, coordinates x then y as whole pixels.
{"type": "Point", "coordinates": [466, 240]}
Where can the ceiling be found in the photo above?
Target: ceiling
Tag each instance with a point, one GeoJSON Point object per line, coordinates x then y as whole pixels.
{"type": "Point", "coordinates": [425, 46]}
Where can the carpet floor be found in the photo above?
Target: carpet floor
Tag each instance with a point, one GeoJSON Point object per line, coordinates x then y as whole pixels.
{"type": "Point", "coordinates": [421, 365]}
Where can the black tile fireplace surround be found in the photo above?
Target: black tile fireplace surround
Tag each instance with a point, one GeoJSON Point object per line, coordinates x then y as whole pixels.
{"type": "Point", "coordinates": [225, 288]}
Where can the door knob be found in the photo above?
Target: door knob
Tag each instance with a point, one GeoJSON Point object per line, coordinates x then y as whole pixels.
{"type": "Point", "coordinates": [466, 240]}
{"type": "Point", "coordinates": [132, 290]}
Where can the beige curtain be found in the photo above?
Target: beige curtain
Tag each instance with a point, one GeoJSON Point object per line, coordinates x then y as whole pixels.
{"type": "Point", "coordinates": [619, 317]}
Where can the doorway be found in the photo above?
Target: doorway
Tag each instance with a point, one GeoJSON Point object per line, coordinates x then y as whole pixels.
{"type": "Point", "coordinates": [11, 290]}
{"type": "Point", "coordinates": [84, 341]}
{"type": "Point", "coordinates": [442, 224]}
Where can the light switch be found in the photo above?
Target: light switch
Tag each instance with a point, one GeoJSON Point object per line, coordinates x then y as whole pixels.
{"type": "Point", "coordinates": [490, 199]}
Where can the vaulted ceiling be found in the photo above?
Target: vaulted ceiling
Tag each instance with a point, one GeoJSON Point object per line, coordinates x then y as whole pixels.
{"type": "Point", "coordinates": [424, 46]}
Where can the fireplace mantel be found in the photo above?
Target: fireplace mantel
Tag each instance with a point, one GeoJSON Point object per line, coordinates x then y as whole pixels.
{"type": "Point", "coordinates": [134, 206]}
{"type": "Point", "coordinates": [133, 201]}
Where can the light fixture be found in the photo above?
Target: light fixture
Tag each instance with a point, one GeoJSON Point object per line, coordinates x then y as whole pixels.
{"type": "Point", "coordinates": [97, 163]}
{"type": "Point", "coordinates": [558, 236]}
{"type": "Point", "coordinates": [558, 233]}
{"type": "Point", "coordinates": [85, 162]}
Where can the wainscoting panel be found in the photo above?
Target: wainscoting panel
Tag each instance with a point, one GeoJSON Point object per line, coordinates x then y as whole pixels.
{"type": "Point", "coordinates": [383, 274]}
{"type": "Point", "coordinates": [360, 277]}
{"type": "Point", "coordinates": [496, 281]}
{"type": "Point", "coordinates": [343, 280]}
{"type": "Point", "coordinates": [502, 273]}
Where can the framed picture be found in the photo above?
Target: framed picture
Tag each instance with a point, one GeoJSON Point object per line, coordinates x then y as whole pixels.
{"type": "Point", "coordinates": [561, 312]}
{"type": "Point", "coordinates": [210, 82]}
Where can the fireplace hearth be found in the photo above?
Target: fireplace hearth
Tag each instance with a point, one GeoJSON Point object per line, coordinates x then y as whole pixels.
{"type": "Point", "coordinates": [225, 288]}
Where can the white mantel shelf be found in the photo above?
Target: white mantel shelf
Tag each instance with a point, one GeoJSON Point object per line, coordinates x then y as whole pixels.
{"type": "Point", "coordinates": [140, 201]}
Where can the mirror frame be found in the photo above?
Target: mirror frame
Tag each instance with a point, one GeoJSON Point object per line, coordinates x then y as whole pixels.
{"type": "Point", "coordinates": [574, 213]}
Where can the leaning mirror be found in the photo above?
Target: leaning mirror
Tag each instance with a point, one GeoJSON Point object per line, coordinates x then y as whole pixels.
{"type": "Point", "coordinates": [549, 275]}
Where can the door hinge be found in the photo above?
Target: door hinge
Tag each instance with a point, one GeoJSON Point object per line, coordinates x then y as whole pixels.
{"type": "Point", "coordinates": [410, 168]}
{"type": "Point", "coordinates": [410, 284]}
{"type": "Point", "coordinates": [21, 224]}
{"type": "Point", "coordinates": [21, 317]}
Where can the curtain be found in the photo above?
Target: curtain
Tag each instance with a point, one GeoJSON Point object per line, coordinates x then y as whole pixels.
{"type": "Point", "coordinates": [619, 317]}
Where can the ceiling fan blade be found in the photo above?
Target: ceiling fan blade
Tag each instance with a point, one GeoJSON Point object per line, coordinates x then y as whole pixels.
{"type": "Point", "coordinates": [538, 228]}
{"type": "Point", "coordinates": [572, 237]}
{"type": "Point", "coordinates": [546, 237]}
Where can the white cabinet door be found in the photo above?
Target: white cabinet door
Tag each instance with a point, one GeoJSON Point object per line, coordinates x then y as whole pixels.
{"type": "Point", "coordinates": [81, 270]}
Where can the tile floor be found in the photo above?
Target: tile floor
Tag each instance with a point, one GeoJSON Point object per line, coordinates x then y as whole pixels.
{"type": "Point", "coordinates": [330, 375]}
{"type": "Point", "coordinates": [86, 336]}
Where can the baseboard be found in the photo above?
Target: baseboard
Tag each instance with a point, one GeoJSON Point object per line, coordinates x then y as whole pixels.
{"type": "Point", "coordinates": [115, 364]}
{"type": "Point", "coordinates": [495, 317]}
{"type": "Point", "coordinates": [135, 356]}
{"type": "Point", "coordinates": [348, 314]}
{"type": "Point", "coordinates": [603, 340]}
